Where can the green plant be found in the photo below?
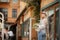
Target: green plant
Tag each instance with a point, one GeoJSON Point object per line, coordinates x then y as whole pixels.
{"type": "Point", "coordinates": [36, 4]}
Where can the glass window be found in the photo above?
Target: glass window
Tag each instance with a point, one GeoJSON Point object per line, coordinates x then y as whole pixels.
{"type": "Point", "coordinates": [25, 29]}
{"type": "Point", "coordinates": [15, 1]}
{"type": "Point", "coordinates": [14, 13]}
{"type": "Point", "coordinates": [4, 0]}
{"type": "Point", "coordinates": [4, 11]}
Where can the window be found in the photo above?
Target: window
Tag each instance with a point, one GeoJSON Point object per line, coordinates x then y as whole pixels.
{"type": "Point", "coordinates": [4, 0]}
{"type": "Point", "coordinates": [4, 11]}
{"type": "Point", "coordinates": [14, 13]}
{"type": "Point", "coordinates": [25, 28]}
{"type": "Point", "coordinates": [15, 1]}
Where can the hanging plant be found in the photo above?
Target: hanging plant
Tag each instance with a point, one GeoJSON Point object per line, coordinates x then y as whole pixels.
{"type": "Point", "coordinates": [36, 4]}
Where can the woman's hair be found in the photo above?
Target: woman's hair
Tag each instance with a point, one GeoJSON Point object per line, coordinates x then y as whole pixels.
{"type": "Point", "coordinates": [44, 14]}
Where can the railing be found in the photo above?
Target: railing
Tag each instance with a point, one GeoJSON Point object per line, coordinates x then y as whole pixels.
{"type": "Point", "coordinates": [4, 0]}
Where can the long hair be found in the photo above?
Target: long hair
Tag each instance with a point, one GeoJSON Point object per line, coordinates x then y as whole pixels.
{"type": "Point", "coordinates": [44, 14]}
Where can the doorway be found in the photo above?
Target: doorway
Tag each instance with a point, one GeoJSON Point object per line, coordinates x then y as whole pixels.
{"type": "Point", "coordinates": [13, 28]}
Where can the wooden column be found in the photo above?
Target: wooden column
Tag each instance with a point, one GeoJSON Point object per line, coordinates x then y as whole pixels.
{"type": "Point", "coordinates": [17, 33]}
{"type": "Point", "coordinates": [22, 18]}
{"type": "Point", "coordinates": [55, 24]}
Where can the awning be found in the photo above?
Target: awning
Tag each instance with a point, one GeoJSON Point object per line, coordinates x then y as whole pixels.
{"type": "Point", "coordinates": [50, 4]}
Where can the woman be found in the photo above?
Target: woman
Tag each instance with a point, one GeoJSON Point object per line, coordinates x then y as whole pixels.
{"type": "Point", "coordinates": [42, 27]}
{"type": "Point", "coordinates": [11, 34]}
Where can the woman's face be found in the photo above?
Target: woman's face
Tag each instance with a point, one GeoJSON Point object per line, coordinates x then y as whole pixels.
{"type": "Point", "coordinates": [43, 16]}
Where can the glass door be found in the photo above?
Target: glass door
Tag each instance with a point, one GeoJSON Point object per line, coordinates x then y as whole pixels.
{"type": "Point", "coordinates": [57, 26]}
{"type": "Point", "coordinates": [51, 27]}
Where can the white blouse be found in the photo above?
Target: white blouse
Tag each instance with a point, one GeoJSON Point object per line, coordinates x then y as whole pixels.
{"type": "Point", "coordinates": [42, 25]}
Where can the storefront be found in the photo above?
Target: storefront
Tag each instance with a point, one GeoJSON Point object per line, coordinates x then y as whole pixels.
{"type": "Point", "coordinates": [53, 21]}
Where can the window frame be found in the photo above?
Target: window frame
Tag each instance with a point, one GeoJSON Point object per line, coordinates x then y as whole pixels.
{"type": "Point", "coordinates": [14, 15]}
